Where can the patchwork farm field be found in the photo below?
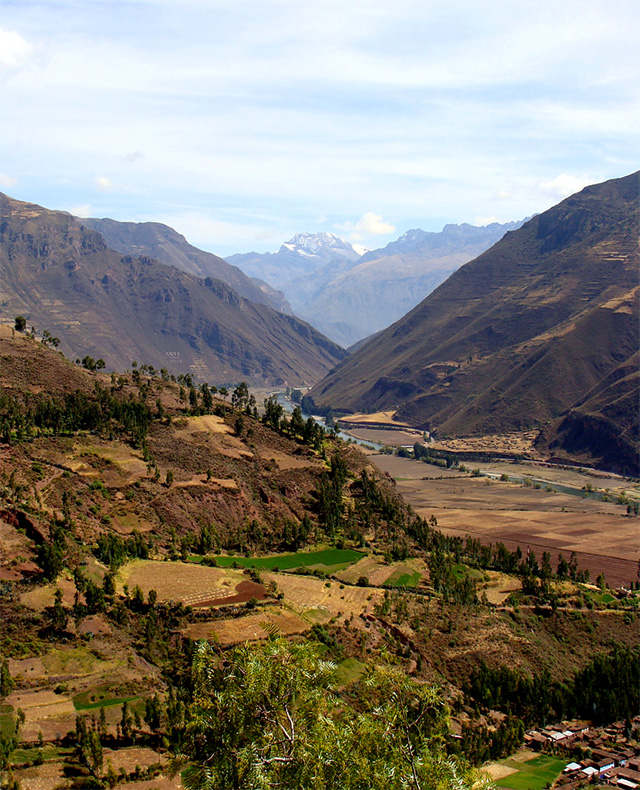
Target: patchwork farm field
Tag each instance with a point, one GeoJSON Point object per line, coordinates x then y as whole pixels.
{"type": "Point", "coordinates": [305, 601]}
{"type": "Point", "coordinates": [491, 510]}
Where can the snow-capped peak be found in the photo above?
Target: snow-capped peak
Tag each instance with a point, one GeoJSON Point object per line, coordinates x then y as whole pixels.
{"type": "Point", "coordinates": [324, 246]}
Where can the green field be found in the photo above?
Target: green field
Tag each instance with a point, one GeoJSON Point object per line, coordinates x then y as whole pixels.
{"type": "Point", "coordinates": [46, 753]}
{"type": "Point", "coordinates": [284, 562]}
{"type": "Point", "coordinates": [103, 703]}
{"type": "Point", "coordinates": [603, 598]}
{"type": "Point", "coordinates": [7, 724]}
{"type": "Point", "coordinates": [98, 698]}
{"type": "Point", "coordinates": [534, 774]}
{"type": "Point", "coordinates": [402, 578]}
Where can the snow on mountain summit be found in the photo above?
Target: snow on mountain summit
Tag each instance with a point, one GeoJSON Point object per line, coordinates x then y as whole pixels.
{"type": "Point", "coordinates": [324, 246]}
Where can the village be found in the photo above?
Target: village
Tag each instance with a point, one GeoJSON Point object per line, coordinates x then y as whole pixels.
{"type": "Point", "coordinates": [607, 755]}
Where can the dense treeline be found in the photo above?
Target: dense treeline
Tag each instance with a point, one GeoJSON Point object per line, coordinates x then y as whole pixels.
{"type": "Point", "coordinates": [74, 412]}
{"type": "Point", "coordinates": [607, 689]}
{"type": "Point", "coordinates": [307, 431]}
{"type": "Point", "coordinates": [114, 550]}
{"type": "Point", "coordinates": [481, 743]}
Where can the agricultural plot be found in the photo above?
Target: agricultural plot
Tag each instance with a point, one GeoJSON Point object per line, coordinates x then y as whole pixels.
{"type": "Point", "coordinates": [190, 583]}
{"type": "Point", "coordinates": [409, 573]}
{"type": "Point", "coordinates": [51, 714]}
{"type": "Point", "coordinates": [499, 587]}
{"type": "Point", "coordinates": [603, 537]}
{"type": "Point", "coordinates": [249, 628]}
{"type": "Point", "coordinates": [326, 559]}
{"type": "Point", "coordinates": [533, 774]}
{"type": "Point", "coordinates": [306, 601]}
{"type": "Point", "coordinates": [404, 577]}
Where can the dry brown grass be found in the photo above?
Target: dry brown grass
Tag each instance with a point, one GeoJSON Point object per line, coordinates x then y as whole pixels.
{"type": "Point", "coordinates": [499, 587]}
{"type": "Point", "coordinates": [374, 568]}
{"type": "Point", "coordinates": [285, 461]}
{"type": "Point", "coordinates": [520, 442]}
{"type": "Point", "coordinates": [307, 594]}
{"type": "Point", "coordinates": [248, 628]}
{"type": "Point", "coordinates": [179, 581]}
{"type": "Point", "coordinates": [48, 776]}
{"type": "Point", "coordinates": [378, 417]}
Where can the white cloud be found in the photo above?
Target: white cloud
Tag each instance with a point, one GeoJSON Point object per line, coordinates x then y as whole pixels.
{"type": "Point", "coordinates": [84, 211]}
{"type": "Point", "coordinates": [482, 221]}
{"type": "Point", "coordinates": [369, 224]}
{"type": "Point", "coordinates": [297, 115]}
{"type": "Point", "coordinates": [563, 186]}
{"type": "Point", "coordinates": [14, 49]}
{"type": "Point", "coordinates": [7, 181]}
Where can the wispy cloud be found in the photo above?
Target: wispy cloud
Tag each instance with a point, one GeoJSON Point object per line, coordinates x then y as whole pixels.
{"type": "Point", "coordinates": [272, 118]}
{"type": "Point", "coordinates": [369, 224]}
{"type": "Point", "coordinates": [84, 210]}
{"type": "Point", "coordinates": [563, 185]}
{"type": "Point", "coordinates": [104, 183]}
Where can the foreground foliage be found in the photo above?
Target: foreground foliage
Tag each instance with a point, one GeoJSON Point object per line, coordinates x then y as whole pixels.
{"type": "Point", "coordinates": [269, 716]}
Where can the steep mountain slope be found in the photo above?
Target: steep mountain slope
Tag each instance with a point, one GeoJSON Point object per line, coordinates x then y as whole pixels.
{"type": "Point", "coordinates": [603, 428]}
{"type": "Point", "coordinates": [519, 335]}
{"type": "Point", "coordinates": [166, 245]}
{"type": "Point", "coordinates": [64, 278]}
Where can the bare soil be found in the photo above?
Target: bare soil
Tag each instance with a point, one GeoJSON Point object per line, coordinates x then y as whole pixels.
{"type": "Point", "coordinates": [600, 533]}
{"type": "Point", "coordinates": [517, 443]}
{"type": "Point", "coordinates": [47, 776]}
{"type": "Point", "coordinates": [401, 438]}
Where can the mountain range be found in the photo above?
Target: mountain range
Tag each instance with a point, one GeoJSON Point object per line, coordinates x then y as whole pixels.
{"type": "Point", "coordinates": [63, 277]}
{"type": "Point", "coordinates": [350, 293]}
{"type": "Point", "coordinates": [541, 330]}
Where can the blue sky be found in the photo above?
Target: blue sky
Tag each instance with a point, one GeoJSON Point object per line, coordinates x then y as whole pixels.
{"type": "Point", "coordinates": [242, 123]}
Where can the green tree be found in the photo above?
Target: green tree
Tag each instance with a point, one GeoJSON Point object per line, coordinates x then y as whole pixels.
{"type": "Point", "coordinates": [269, 716]}
{"type": "Point", "coordinates": [58, 615]}
{"type": "Point", "coordinates": [20, 323]}
{"type": "Point", "coordinates": [6, 681]}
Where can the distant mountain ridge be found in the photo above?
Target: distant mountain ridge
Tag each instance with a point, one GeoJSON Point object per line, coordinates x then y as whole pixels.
{"type": "Point", "coordinates": [63, 277]}
{"type": "Point", "coordinates": [350, 296]}
{"type": "Point", "coordinates": [449, 239]}
{"type": "Point", "coordinates": [304, 254]}
{"type": "Point", "coordinates": [168, 246]}
{"type": "Point", "coordinates": [531, 331]}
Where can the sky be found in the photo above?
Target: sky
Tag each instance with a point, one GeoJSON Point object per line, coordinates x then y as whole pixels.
{"type": "Point", "coordinates": [242, 123]}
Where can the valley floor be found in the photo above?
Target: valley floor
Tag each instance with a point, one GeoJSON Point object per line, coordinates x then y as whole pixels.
{"type": "Point", "coordinates": [557, 516]}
